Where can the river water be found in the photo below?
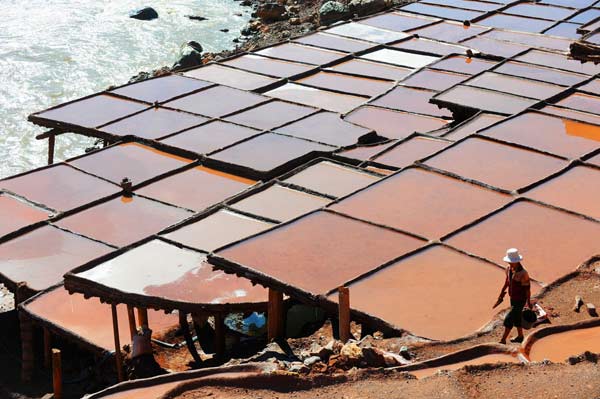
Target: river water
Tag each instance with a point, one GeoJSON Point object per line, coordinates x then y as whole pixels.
{"type": "Point", "coordinates": [52, 51]}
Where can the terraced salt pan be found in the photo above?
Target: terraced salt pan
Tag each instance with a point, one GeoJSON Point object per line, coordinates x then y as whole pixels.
{"type": "Point", "coordinates": [471, 126]}
{"type": "Point", "coordinates": [492, 358]}
{"type": "Point", "coordinates": [272, 67]}
{"type": "Point", "coordinates": [16, 214]}
{"type": "Point", "coordinates": [230, 77]}
{"type": "Point", "coordinates": [160, 89]}
{"type": "Point", "coordinates": [327, 100]}
{"type": "Point", "coordinates": [560, 346]}
{"type": "Point", "coordinates": [411, 150]}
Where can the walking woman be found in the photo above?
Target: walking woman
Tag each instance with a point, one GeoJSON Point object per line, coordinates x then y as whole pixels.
{"type": "Point", "coordinates": [519, 291]}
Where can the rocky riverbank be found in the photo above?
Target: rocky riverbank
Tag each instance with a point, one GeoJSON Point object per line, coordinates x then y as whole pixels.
{"type": "Point", "coordinates": [276, 21]}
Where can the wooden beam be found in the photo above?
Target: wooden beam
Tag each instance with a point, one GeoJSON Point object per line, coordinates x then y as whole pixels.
{"type": "Point", "coordinates": [185, 329]}
{"type": "Point", "coordinates": [131, 317]}
{"type": "Point", "coordinates": [57, 374]}
{"type": "Point", "coordinates": [47, 348]}
{"type": "Point", "coordinates": [27, 354]}
{"type": "Point", "coordinates": [219, 335]}
{"type": "Point", "coordinates": [51, 144]}
{"type": "Point", "coordinates": [118, 359]}
{"type": "Point", "coordinates": [275, 315]}
{"type": "Point", "coordinates": [143, 317]}
{"type": "Point", "coordinates": [344, 313]}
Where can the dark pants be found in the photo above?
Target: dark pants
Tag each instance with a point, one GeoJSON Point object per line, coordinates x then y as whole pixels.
{"type": "Point", "coordinates": [515, 315]}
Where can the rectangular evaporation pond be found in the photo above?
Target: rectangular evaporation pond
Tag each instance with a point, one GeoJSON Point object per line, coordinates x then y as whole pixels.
{"type": "Point", "coordinates": [457, 14]}
{"type": "Point", "coordinates": [16, 214]}
{"type": "Point", "coordinates": [422, 202]}
{"type": "Point", "coordinates": [161, 270]}
{"type": "Point", "coordinates": [332, 179]}
{"type": "Point", "coordinates": [558, 136]}
{"type": "Point", "coordinates": [394, 124]}
{"type": "Point", "coordinates": [447, 279]}
{"type": "Point", "coordinates": [153, 123]}
{"type": "Point", "coordinates": [592, 86]}
{"type": "Point", "coordinates": [271, 115]}
{"type": "Point", "coordinates": [268, 66]}
{"type": "Point", "coordinates": [500, 165]}
{"type": "Point", "coordinates": [564, 29]}
{"type": "Point", "coordinates": [449, 32]}
{"type": "Point", "coordinates": [366, 152]}
{"type": "Point", "coordinates": [578, 190]}
{"type": "Point", "coordinates": [485, 100]}
{"type": "Point", "coordinates": [59, 187]}
{"type": "Point", "coordinates": [371, 69]}
{"type": "Point", "coordinates": [269, 151]}
{"type": "Point", "coordinates": [466, 4]}
{"type": "Point", "coordinates": [218, 229]}
{"type": "Point", "coordinates": [41, 257]}
{"type": "Point", "coordinates": [398, 22]}
{"type": "Point", "coordinates": [123, 221]}
{"type": "Point", "coordinates": [230, 77]}
{"type": "Point", "coordinates": [91, 320]}
{"type": "Point", "coordinates": [471, 126]}
{"type": "Point", "coordinates": [347, 84]}
{"type": "Point", "coordinates": [334, 42]}
{"type": "Point", "coordinates": [280, 203]}
{"type": "Point", "coordinates": [411, 100]}
{"type": "Point", "coordinates": [320, 251]}
{"type": "Point", "coordinates": [530, 39]}
{"type": "Point", "coordinates": [366, 32]}
{"type": "Point", "coordinates": [462, 64]}
{"type": "Point", "coordinates": [411, 150]}
{"type": "Point", "coordinates": [430, 46]}
{"type": "Point", "coordinates": [326, 127]}
{"type": "Point", "coordinates": [90, 112]}
{"type": "Point", "coordinates": [434, 80]}
{"type": "Point", "coordinates": [519, 24]}
{"type": "Point", "coordinates": [571, 114]}
{"type": "Point", "coordinates": [539, 11]}
{"type": "Point", "coordinates": [495, 47]}
{"type": "Point", "coordinates": [513, 85]}
{"type": "Point", "coordinates": [324, 99]}
{"type": "Point", "coordinates": [586, 16]}
{"type": "Point", "coordinates": [217, 101]}
{"type": "Point", "coordinates": [196, 188]}
{"type": "Point", "coordinates": [299, 53]}
{"type": "Point", "coordinates": [582, 102]}
{"type": "Point", "coordinates": [400, 58]}
{"type": "Point", "coordinates": [540, 73]}
{"type": "Point", "coordinates": [579, 4]}
{"type": "Point", "coordinates": [553, 243]}
{"type": "Point", "coordinates": [559, 61]}
{"type": "Point", "coordinates": [210, 137]}
{"type": "Point", "coordinates": [134, 161]}
{"type": "Point", "coordinates": [160, 89]}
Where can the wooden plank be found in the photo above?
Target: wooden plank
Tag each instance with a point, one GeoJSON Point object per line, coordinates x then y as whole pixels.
{"type": "Point", "coordinates": [57, 374]}
{"type": "Point", "coordinates": [131, 317]}
{"type": "Point", "coordinates": [219, 335]}
{"type": "Point", "coordinates": [118, 358]}
{"type": "Point", "coordinates": [143, 317]}
{"type": "Point", "coordinates": [185, 329]}
{"type": "Point", "coordinates": [275, 315]}
{"type": "Point", "coordinates": [51, 144]}
{"type": "Point", "coordinates": [344, 313]}
{"type": "Point", "coordinates": [27, 354]}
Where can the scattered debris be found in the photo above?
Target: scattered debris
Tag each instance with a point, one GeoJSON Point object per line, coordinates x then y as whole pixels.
{"type": "Point", "coordinates": [144, 14]}
{"type": "Point", "coordinates": [578, 303]}
{"type": "Point", "coordinates": [196, 17]}
{"type": "Point", "coordinates": [591, 309]}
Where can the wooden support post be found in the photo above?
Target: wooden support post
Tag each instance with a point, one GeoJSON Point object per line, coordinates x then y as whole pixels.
{"type": "Point", "coordinates": [219, 335]}
{"type": "Point", "coordinates": [47, 348]}
{"type": "Point", "coordinates": [275, 315]}
{"type": "Point", "coordinates": [57, 374]}
{"type": "Point", "coordinates": [131, 317]}
{"type": "Point", "coordinates": [118, 359]}
{"type": "Point", "coordinates": [27, 354]}
{"type": "Point", "coordinates": [143, 317]}
{"type": "Point", "coordinates": [344, 313]}
{"type": "Point", "coordinates": [185, 329]}
{"type": "Point", "coordinates": [51, 143]}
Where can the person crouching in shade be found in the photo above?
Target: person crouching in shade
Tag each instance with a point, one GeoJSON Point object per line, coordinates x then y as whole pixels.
{"type": "Point", "coordinates": [519, 291]}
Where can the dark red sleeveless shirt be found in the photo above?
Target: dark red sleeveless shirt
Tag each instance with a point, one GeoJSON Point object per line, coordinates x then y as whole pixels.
{"type": "Point", "coordinates": [516, 290]}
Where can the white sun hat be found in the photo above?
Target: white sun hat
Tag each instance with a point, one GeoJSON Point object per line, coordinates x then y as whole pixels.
{"type": "Point", "coordinates": [513, 256]}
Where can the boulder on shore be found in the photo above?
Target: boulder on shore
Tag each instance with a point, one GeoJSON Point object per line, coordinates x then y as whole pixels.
{"type": "Point", "coordinates": [333, 11]}
{"type": "Point", "coordinates": [144, 14]}
{"type": "Point", "coordinates": [366, 7]}
{"type": "Point", "coordinates": [271, 12]}
{"type": "Point", "coordinates": [191, 56]}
